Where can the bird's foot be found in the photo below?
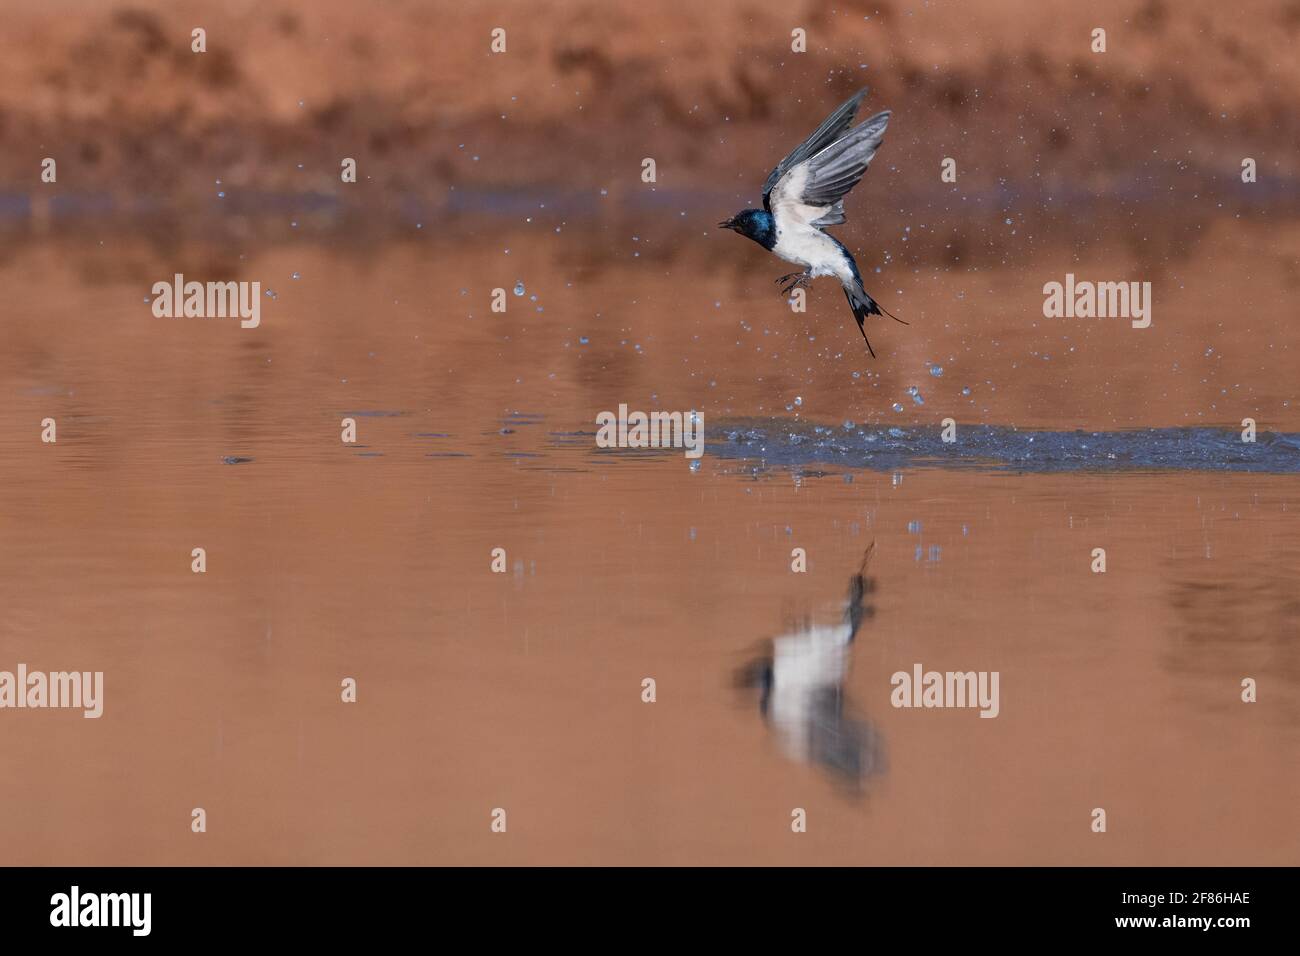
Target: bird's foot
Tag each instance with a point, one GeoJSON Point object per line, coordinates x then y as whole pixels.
{"type": "Point", "coordinates": [800, 280]}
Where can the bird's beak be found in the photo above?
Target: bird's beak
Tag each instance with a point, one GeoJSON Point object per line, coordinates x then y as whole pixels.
{"type": "Point", "coordinates": [727, 224]}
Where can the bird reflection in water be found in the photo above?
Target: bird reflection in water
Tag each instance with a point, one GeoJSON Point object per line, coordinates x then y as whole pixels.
{"type": "Point", "coordinates": [801, 692]}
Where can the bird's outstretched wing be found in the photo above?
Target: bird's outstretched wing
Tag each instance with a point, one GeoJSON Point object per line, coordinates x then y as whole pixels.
{"type": "Point", "coordinates": [822, 137]}
{"type": "Point", "coordinates": [812, 191]}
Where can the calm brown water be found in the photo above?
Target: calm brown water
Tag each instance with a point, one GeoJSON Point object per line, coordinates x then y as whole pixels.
{"type": "Point", "coordinates": [522, 690]}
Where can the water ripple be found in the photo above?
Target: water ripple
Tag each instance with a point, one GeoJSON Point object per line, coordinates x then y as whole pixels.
{"type": "Point", "coordinates": [784, 444]}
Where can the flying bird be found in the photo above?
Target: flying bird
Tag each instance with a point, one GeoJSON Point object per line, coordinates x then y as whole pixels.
{"type": "Point", "coordinates": [805, 193]}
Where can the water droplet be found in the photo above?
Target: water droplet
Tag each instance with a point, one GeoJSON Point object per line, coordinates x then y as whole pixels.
{"type": "Point", "coordinates": [798, 400]}
{"type": "Point", "coordinates": [936, 371]}
{"type": "Point", "coordinates": [898, 407]}
{"type": "Point", "coordinates": [270, 294]}
{"type": "Point", "coordinates": [296, 275]}
{"type": "Point", "coordinates": [519, 287]}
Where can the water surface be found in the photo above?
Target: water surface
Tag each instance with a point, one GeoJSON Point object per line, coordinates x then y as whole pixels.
{"type": "Point", "coordinates": [522, 690]}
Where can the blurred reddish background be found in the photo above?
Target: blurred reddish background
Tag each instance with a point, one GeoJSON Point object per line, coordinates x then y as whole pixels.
{"type": "Point", "coordinates": [587, 89]}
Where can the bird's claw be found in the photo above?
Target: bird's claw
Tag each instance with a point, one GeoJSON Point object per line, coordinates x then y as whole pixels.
{"type": "Point", "coordinates": [801, 280]}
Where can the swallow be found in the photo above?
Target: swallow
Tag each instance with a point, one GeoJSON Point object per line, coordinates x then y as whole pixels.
{"type": "Point", "coordinates": [805, 193]}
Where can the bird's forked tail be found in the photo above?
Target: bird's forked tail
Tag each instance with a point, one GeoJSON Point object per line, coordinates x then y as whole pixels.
{"type": "Point", "coordinates": [863, 305]}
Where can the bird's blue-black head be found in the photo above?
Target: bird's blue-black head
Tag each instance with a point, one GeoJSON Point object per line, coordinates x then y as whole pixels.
{"type": "Point", "coordinates": [757, 224]}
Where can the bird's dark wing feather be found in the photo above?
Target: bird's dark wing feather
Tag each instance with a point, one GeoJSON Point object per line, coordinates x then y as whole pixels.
{"type": "Point", "coordinates": [814, 189]}
{"type": "Point", "coordinates": [825, 134]}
